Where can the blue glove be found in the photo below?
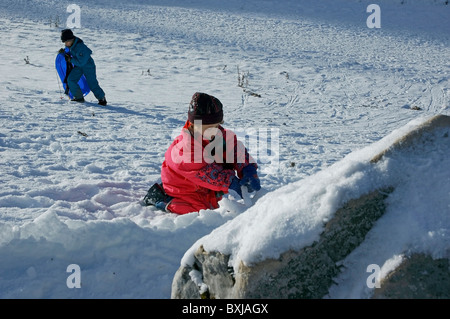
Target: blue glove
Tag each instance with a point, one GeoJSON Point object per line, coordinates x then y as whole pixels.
{"type": "Point", "coordinates": [250, 178]}
{"type": "Point", "coordinates": [235, 188]}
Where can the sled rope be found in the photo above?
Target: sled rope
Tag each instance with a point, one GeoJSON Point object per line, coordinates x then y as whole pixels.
{"type": "Point", "coordinates": [59, 85]}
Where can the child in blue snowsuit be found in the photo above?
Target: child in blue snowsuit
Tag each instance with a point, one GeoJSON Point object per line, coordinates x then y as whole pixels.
{"type": "Point", "coordinates": [80, 56]}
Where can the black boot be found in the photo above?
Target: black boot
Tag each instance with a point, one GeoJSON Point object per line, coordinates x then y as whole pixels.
{"type": "Point", "coordinates": [80, 100]}
{"type": "Point", "coordinates": [102, 102]}
{"type": "Point", "coordinates": [157, 197]}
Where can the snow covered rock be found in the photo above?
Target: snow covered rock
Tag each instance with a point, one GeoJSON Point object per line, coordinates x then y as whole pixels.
{"type": "Point", "coordinates": [417, 277]}
{"type": "Point", "coordinates": [233, 262]}
{"type": "Point", "coordinates": [307, 273]}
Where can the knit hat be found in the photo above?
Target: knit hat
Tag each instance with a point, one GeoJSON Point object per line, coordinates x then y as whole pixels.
{"type": "Point", "coordinates": [206, 108]}
{"type": "Point", "coordinates": [67, 34]}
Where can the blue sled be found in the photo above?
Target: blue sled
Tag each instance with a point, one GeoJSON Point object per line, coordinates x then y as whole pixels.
{"type": "Point", "coordinates": [61, 67]}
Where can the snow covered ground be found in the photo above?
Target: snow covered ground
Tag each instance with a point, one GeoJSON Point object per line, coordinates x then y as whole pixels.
{"type": "Point", "coordinates": [72, 175]}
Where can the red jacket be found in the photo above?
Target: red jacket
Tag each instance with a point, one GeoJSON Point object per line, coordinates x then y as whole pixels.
{"type": "Point", "coordinates": [197, 177]}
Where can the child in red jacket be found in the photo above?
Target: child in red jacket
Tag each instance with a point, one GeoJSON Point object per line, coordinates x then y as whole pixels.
{"type": "Point", "coordinates": [203, 163]}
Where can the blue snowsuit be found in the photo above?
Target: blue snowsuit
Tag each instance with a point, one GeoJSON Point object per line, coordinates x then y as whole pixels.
{"type": "Point", "coordinates": [83, 64]}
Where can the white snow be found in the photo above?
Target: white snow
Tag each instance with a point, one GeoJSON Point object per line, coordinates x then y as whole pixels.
{"type": "Point", "coordinates": [335, 91]}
